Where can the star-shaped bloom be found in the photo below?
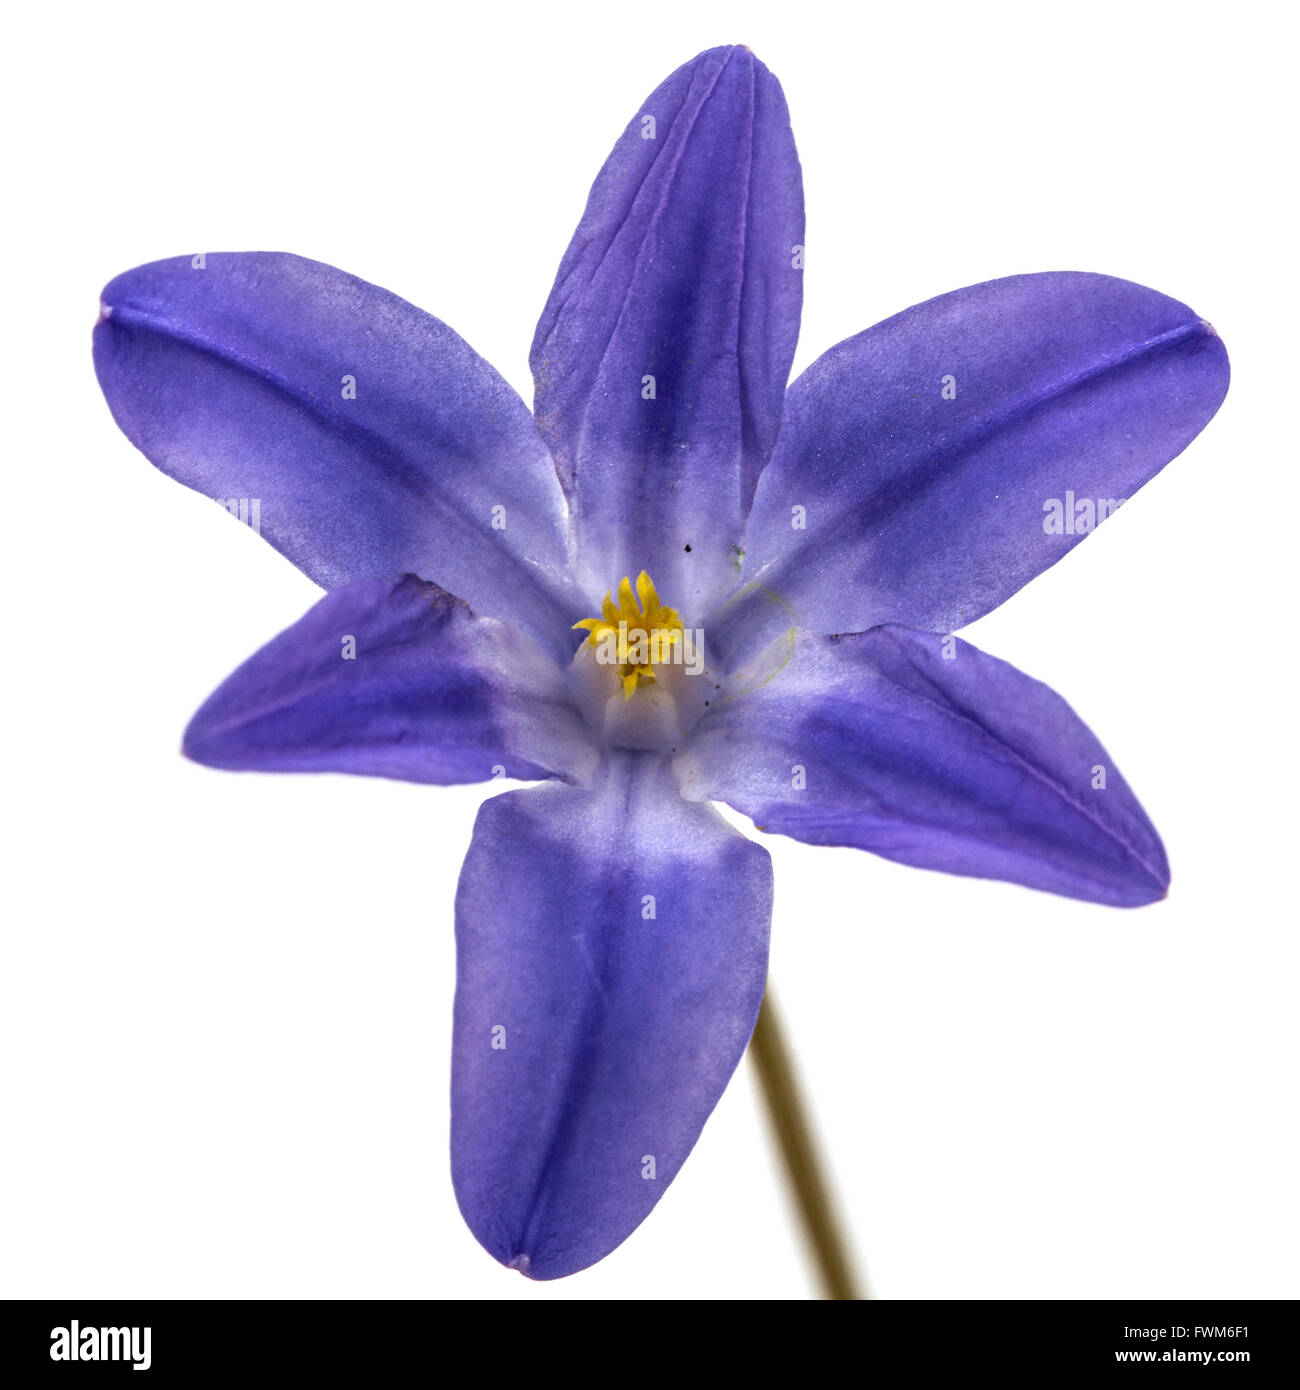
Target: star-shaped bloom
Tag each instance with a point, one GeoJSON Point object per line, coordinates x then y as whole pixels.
{"type": "Point", "coordinates": [490, 609]}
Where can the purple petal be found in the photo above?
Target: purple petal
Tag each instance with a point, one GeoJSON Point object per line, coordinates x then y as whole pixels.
{"type": "Point", "coordinates": [964, 764]}
{"type": "Point", "coordinates": [931, 454]}
{"type": "Point", "coordinates": [611, 955]}
{"type": "Point", "coordinates": [372, 439]}
{"type": "Point", "coordinates": [395, 679]}
{"type": "Point", "coordinates": [681, 270]}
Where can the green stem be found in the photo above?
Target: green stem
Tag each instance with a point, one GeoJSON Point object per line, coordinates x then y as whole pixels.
{"type": "Point", "coordinates": [789, 1119]}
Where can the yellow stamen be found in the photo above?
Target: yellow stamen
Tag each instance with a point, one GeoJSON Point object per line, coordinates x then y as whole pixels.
{"type": "Point", "coordinates": [647, 622]}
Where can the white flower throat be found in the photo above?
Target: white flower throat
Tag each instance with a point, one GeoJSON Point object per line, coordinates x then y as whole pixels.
{"type": "Point", "coordinates": [640, 657]}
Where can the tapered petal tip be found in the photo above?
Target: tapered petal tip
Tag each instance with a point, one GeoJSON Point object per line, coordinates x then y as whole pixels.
{"type": "Point", "coordinates": [198, 745]}
{"type": "Point", "coordinates": [213, 739]}
{"type": "Point", "coordinates": [724, 53]}
{"type": "Point", "coordinates": [1151, 879]}
{"type": "Point", "coordinates": [742, 56]}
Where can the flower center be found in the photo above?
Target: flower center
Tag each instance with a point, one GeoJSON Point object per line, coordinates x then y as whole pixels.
{"type": "Point", "coordinates": [634, 636]}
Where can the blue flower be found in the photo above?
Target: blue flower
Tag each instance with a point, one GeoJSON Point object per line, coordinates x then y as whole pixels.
{"type": "Point", "coordinates": [490, 608]}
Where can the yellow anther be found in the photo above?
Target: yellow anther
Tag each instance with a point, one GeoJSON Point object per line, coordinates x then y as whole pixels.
{"type": "Point", "coordinates": [635, 633]}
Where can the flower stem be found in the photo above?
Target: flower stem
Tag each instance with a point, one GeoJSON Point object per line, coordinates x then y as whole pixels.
{"type": "Point", "coordinates": [786, 1110]}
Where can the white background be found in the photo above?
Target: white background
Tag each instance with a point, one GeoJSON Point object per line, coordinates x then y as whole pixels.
{"type": "Point", "coordinates": [225, 1000]}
